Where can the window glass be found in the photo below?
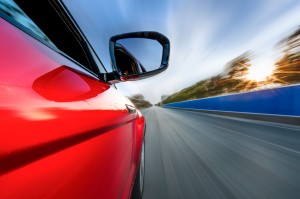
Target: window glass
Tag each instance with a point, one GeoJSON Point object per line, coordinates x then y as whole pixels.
{"type": "Point", "coordinates": [54, 30]}
{"type": "Point", "coordinates": [12, 10]}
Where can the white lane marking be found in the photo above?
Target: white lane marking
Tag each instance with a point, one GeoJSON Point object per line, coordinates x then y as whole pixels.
{"type": "Point", "coordinates": [272, 124]}
{"type": "Point", "coordinates": [266, 142]}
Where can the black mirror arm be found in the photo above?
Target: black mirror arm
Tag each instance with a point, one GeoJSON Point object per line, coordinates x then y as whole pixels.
{"type": "Point", "coordinates": [111, 77]}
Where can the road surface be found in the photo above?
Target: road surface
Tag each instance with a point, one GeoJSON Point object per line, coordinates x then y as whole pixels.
{"type": "Point", "coordinates": [195, 155]}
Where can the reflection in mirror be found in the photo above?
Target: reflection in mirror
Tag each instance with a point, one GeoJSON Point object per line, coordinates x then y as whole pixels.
{"type": "Point", "coordinates": [138, 55]}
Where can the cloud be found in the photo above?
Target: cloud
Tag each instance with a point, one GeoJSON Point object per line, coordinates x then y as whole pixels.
{"type": "Point", "coordinates": [204, 35]}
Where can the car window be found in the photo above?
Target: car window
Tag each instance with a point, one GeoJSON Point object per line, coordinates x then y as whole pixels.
{"type": "Point", "coordinates": [14, 12]}
{"type": "Point", "coordinates": [55, 30]}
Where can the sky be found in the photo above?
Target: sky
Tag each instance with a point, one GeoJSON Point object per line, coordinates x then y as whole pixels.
{"type": "Point", "coordinates": [204, 34]}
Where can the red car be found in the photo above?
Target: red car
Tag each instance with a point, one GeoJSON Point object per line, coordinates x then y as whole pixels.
{"type": "Point", "coordinates": [66, 132]}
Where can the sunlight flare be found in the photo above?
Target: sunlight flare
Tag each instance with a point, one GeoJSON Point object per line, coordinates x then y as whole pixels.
{"type": "Point", "coordinates": [260, 71]}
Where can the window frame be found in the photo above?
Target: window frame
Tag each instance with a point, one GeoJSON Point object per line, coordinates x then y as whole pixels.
{"type": "Point", "coordinates": [97, 67]}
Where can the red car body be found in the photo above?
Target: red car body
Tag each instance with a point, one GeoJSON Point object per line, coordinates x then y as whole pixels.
{"type": "Point", "coordinates": [63, 133]}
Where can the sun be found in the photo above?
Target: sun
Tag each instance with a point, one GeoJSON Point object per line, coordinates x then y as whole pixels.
{"type": "Point", "coordinates": [259, 72]}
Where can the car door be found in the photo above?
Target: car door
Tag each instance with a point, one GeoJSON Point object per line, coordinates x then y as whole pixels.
{"type": "Point", "coordinates": [64, 133]}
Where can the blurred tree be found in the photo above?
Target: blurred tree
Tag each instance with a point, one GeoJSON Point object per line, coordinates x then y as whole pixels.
{"type": "Point", "coordinates": [139, 101]}
{"type": "Point", "coordinates": [234, 80]}
{"type": "Point", "coordinates": [238, 67]}
{"type": "Point", "coordinates": [230, 81]}
{"type": "Point", "coordinates": [288, 67]}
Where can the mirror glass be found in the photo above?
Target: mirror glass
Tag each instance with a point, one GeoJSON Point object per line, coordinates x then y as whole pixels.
{"type": "Point", "coordinates": [138, 55]}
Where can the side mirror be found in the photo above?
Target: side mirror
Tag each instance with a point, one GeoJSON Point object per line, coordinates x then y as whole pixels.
{"type": "Point", "coordinates": [138, 55]}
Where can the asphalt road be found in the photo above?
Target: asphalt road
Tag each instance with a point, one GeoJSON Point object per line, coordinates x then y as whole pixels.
{"type": "Point", "coordinates": [195, 155]}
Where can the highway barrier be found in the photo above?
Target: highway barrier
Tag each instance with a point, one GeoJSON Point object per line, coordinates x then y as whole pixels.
{"type": "Point", "coordinates": [282, 101]}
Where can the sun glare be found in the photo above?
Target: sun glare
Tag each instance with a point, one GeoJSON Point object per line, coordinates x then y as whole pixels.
{"type": "Point", "coordinates": [260, 72]}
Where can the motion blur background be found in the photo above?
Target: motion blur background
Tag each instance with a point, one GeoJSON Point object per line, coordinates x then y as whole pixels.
{"type": "Point", "coordinates": [241, 45]}
{"type": "Point", "coordinates": [218, 48]}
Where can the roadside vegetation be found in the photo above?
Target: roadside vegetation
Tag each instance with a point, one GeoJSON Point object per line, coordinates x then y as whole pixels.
{"type": "Point", "coordinates": [238, 75]}
{"type": "Point", "coordinates": [139, 101]}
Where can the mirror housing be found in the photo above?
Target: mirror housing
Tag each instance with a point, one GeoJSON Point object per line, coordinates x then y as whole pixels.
{"type": "Point", "coordinates": [120, 55]}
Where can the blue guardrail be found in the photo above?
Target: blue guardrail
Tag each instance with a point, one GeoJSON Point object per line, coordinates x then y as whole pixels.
{"type": "Point", "coordinates": [278, 101]}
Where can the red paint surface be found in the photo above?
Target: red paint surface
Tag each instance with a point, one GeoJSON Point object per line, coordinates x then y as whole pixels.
{"type": "Point", "coordinates": [63, 133]}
